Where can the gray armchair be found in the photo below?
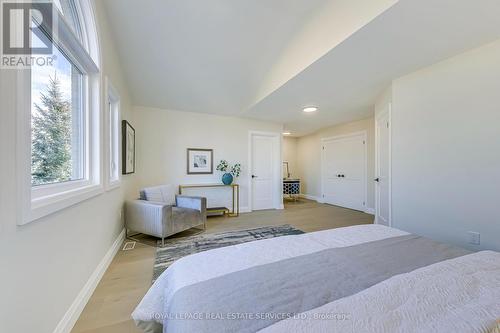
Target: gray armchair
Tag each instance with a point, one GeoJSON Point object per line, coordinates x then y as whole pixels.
{"type": "Point", "coordinates": [161, 213]}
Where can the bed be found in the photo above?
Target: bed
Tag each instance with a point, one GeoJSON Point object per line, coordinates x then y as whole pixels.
{"type": "Point", "coordinates": [368, 278]}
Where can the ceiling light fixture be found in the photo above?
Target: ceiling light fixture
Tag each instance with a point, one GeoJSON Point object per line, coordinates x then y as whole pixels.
{"type": "Point", "coordinates": [309, 109]}
{"type": "Point", "coordinates": [287, 133]}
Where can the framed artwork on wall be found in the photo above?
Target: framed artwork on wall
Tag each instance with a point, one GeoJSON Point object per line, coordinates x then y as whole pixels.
{"type": "Point", "coordinates": [128, 148]}
{"type": "Point", "coordinates": [200, 161]}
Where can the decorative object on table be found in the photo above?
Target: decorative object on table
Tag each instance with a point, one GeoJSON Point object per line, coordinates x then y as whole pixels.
{"type": "Point", "coordinates": [230, 172]}
{"type": "Point", "coordinates": [291, 188]}
{"type": "Point", "coordinates": [286, 170]}
{"type": "Point", "coordinates": [227, 178]}
{"type": "Point", "coordinates": [200, 161]}
{"type": "Point", "coordinates": [128, 148]}
{"type": "Point", "coordinates": [176, 248]}
{"type": "Point", "coordinates": [210, 210]}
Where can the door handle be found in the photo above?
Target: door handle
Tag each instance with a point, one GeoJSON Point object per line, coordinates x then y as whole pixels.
{"type": "Point", "coordinates": [377, 179]}
{"type": "Point", "coordinates": [254, 176]}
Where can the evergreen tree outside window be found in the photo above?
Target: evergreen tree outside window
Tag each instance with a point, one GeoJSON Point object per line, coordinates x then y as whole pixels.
{"type": "Point", "coordinates": [56, 125]}
{"type": "Point", "coordinates": [60, 117]}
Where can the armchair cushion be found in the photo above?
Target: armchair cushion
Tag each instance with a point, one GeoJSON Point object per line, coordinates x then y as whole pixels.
{"type": "Point", "coordinates": [163, 193]}
{"type": "Point", "coordinates": [198, 203]}
{"type": "Point", "coordinates": [183, 219]}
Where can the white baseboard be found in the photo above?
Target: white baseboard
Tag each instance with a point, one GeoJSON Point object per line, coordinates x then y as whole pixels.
{"type": "Point", "coordinates": [310, 197]}
{"type": "Point", "coordinates": [71, 316]}
{"type": "Point", "coordinates": [320, 200]}
{"type": "Point", "coordinates": [370, 211]}
{"type": "Point", "coordinates": [245, 210]}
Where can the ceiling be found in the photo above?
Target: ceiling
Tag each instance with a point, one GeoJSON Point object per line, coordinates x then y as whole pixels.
{"type": "Point", "coordinates": [266, 59]}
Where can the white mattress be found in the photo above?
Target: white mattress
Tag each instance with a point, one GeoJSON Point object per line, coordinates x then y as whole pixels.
{"type": "Point", "coordinates": [213, 263]}
{"type": "Point", "coordinates": [457, 295]}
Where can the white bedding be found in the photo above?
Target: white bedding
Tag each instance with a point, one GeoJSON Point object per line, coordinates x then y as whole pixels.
{"type": "Point", "coordinates": [457, 295]}
{"type": "Point", "coordinates": [213, 263]}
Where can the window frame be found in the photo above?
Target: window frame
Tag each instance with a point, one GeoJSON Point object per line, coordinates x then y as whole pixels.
{"type": "Point", "coordinates": [112, 101]}
{"type": "Point", "coordinates": [38, 201]}
{"type": "Point", "coordinates": [43, 190]}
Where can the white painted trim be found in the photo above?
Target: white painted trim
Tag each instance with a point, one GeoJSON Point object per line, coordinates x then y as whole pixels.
{"type": "Point", "coordinates": [389, 119]}
{"type": "Point", "coordinates": [87, 13]}
{"type": "Point", "coordinates": [23, 145]}
{"type": "Point", "coordinates": [40, 201]}
{"type": "Point", "coordinates": [364, 134]}
{"type": "Point", "coordinates": [44, 200]}
{"type": "Point", "coordinates": [370, 211]}
{"type": "Point", "coordinates": [309, 197]}
{"type": "Point", "coordinates": [245, 210]}
{"type": "Point", "coordinates": [111, 95]}
{"type": "Point", "coordinates": [278, 169]}
{"type": "Point", "coordinates": [50, 204]}
{"type": "Point", "coordinates": [343, 136]}
{"type": "Point", "coordinates": [320, 199]}
{"type": "Point", "coordinates": [71, 316]}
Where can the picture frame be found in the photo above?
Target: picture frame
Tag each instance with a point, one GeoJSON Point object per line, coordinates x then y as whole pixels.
{"type": "Point", "coordinates": [200, 161]}
{"type": "Point", "coordinates": [128, 148]}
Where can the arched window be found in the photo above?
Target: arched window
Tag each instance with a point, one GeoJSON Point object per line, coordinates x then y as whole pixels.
{"type": "Point", "coordinates": [63, 116]}
{"type": "Point", "coordinates": [80, 18]}
{"type": "Point", "coordinates": [69, 11]}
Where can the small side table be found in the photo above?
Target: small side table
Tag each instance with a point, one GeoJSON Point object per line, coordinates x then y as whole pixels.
{"type": "Point", "coordinates": [235, 197]}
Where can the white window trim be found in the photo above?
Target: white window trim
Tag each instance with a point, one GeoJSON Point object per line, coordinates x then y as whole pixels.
{"type": "Point", "coordinates": [111, 95]}
{"type": "Point", "coordinates": [37, 202]}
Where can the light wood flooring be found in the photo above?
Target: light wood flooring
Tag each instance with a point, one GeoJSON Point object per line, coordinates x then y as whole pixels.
{"type": "Point", "coordinates": [129, 275]}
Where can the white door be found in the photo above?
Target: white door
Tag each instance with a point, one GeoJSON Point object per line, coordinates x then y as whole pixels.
{"type": "Point", "coordinates": [344, 171]}
{"type": "Point", "coordinates": [383, 168]}
{"type": "Point", "coordinates": [263, 171]}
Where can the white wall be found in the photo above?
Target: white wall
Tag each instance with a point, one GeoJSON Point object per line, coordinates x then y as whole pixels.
{"type": "Point", "coordinates": [309, 156]}
{"type": "Point", "coordinates": [164, 135]}
{"type": "Point", "coordinates": [290, 156]}
{"type": "Point", "coordinates": [446, 149]}
{"type": "Point", "coordinates": [383, 100]}
{"type": "Point", "coordinates": [45, 264]}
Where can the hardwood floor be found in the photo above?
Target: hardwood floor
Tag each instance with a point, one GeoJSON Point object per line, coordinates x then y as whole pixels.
{"type": "Point", "coordinates": [129, 275]}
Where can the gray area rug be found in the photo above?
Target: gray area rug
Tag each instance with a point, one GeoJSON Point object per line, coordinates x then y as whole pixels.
{"type": "Point", "coordinates": [177, 248]}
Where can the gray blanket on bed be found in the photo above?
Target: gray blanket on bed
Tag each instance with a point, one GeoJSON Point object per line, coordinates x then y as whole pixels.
{"type": "Point", "coordinates": [249, 300]}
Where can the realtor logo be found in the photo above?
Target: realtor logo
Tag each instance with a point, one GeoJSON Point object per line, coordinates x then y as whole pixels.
{"type": "Point", "coordinates": [26, 33]}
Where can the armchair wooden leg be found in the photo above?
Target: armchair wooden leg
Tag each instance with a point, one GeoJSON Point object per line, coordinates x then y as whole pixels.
{"type": "Point", "coordinates": [162, 242]}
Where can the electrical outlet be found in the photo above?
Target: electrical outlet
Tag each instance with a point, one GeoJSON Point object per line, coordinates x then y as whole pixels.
{"type": "Point", "coordinates": [474, 238]}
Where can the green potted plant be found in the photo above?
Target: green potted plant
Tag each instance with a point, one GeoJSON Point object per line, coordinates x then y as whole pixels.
{"type": "Point", "coordinates": [230, 172]}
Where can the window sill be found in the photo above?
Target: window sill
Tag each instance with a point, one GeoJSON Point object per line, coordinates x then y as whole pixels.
{"type": "Point", "coordinates": [43, 206]}
{"type": "Point", "coordinates": [113, 185]}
